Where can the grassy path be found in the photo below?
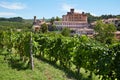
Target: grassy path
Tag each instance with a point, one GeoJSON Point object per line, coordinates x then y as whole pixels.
{"type": "Point", "coordinates": [42, 71]}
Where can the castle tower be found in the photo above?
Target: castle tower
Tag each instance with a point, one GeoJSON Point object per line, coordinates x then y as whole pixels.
{"type": "Point", "coordinates": [43, 19]}
{"type": "Point", "coordinates": [72, 10]}
{"type": "Point", "coordinates": [34, 18]}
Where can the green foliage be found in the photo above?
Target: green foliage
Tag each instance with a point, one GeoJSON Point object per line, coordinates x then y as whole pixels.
{"type": "Point", "coordinates": [52, 20]}
{"type": "Point", "coordinates": [6, 25]}
{"type": "Point", "coordinates": [92, 18]}
{"type": "Point", "coordinates": [105, 32]}
{"type": "Point", "coordinates": [73, 53]}
{"type": "Point", "coordinates": [17, 44]}
{"type": "Point", "coordinates": [52, 27]}
{"type": "Point", "coordinates": [14, 19]}
{"type": "Point", "coordinates": [81, 52]}
{"type": "Point", "coordinates": [57, 18]}
{"type": "Point", "coordinates": [43, 71]}
{"type": "Point", "coordinates": [118, 16]}
{"type": "Point", "coordinates": [65, 31]}
{"type": "Point", "coordinates": [44, 28]}
{"type": "Point", "coordinates": [115, 48]}
{"type": "Point", "coordinates": [108, 16]}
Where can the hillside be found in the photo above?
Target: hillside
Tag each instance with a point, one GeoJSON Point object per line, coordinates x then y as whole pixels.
{"type": "Point", "coordinates": [43, 71]}
{"type": "Point", "coordinates": [6, 25]}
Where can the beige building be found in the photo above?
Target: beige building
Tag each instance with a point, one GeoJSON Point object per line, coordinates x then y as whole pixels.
{"type": "Point", "coordinates": [117, 34]}
{"type": "Point", "coordinates": [115, 21]}
{"type": "Point", "coordinates": [75, 21]}
{"type": "Point", "coordinates": [37, 24]}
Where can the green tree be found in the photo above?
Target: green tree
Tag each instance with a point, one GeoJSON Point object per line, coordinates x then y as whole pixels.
{"type": "Point", "coordinates": [16, 19]}
{"type": "Point", "coordinates": [65, 31]}
{"type": "Point", "coordinates": [118, 16]}
{"type": "Point", "coordinates": [44, 28]}
{"type": "Point", "coordinates": [57, 18]}
{"type": "Point", "coordinates": [104, 32]}
{"type": "Point", "coordinates": [53, 27]}
{"type": "Point", "coordinates": [52, 20]}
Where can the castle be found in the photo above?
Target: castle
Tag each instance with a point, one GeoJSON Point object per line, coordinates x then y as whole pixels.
{"type": "Point", "coordinates": [76, 22]}
{"type": "Point", "coordinates": [73, 16]}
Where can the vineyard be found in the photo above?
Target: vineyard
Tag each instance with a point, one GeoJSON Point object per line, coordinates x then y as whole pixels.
{"type": "Point", "coordinates": [73, 53]}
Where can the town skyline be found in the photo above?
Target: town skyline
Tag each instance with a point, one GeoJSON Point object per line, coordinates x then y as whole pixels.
{"type": "Point", "coordinates": [48, 9]}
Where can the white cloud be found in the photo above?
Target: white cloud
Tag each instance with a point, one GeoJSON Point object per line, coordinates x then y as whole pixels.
{"type": "Point", "coordinates": [93, 14]}
{"type": "Point", "coordinates": [66, 7]}
{"type": "Point", "coordinates": [7, 14]}
{"type": "Point", "coordinates": [78, 10]}
{"type": "Point", "coordinates": [14, 6]}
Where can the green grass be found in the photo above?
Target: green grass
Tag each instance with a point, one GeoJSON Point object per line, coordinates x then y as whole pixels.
{"type": "Point", "coordinates": [42, 71]}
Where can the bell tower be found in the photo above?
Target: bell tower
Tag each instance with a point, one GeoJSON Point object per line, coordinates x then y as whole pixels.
{"type": "Point", "coordinates": [34, 18]}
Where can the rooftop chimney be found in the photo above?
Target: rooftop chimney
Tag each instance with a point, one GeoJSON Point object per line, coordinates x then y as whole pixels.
{"type": "Point", "coordinates": [72, 10]}
{"type": "Point", "coordinates": [68, 12]}
{"type": "Point", "coordinates": [83, 13]}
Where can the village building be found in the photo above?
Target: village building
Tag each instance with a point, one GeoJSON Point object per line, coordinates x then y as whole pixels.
{"type": "Point", "coordinates": [115, 21]}
{"type": "Point", "coordinates": [76, 22]}
{"type": "Point", "coordinates": [37, 23]}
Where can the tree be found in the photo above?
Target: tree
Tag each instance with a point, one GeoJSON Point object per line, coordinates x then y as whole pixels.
{"type": "Point", "coordinates": [52, 27]}
{"type": "Point", "coordinates": [52, 20]}
{"type": "Point", "coordinates": [13, 19]}
{"type": "Point", "coordinates": [65, 31]}
{"type": "Point", "coordinates": [104, 32]}
{"type": "Point", "coordinates": [16, 19]}
{"type": "Point", "coordinates": [118, 16]}
{"type": "Point", "coordinates": [91, 18]}
{"type": "Point", "coordinates": [44, 28]}
{"type": "Point", "coordinates": [57, 18]}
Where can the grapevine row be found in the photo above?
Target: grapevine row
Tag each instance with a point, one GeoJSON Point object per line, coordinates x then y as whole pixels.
{"type": "Point", "coordinates": [82, 52]}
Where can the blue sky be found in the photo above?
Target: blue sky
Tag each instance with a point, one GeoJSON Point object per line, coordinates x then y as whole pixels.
{"type": "Point", "coordinates": [52, 8]}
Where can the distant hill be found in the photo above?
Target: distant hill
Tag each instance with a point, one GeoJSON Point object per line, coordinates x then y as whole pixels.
{"type": "Point", "coordinates": [13, 19]}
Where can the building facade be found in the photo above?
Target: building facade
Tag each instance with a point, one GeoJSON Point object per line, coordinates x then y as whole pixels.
{"type": "Point", "coordinates": [37, 24]}
{"type": "Point", "coordinates": [74, 21]}
{"type": "Point", "coordinates": [114, 21]}
{"type": "Point", "coordinates": [72, 16]}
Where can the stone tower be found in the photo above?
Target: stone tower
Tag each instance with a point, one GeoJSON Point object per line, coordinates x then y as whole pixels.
{"type": "Point", "coordinates": [34, 22]}
{"type": "Point", "coordinates": [34, 18]}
